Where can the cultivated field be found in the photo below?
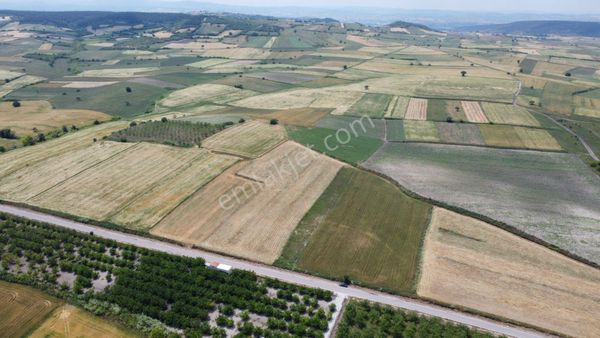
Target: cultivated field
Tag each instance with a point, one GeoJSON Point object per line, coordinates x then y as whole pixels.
{"type": "Point", "coordinates": [69, 321]}
{"type": "Point", "coordinates": [372, 105]}
{"type": "Point", "coordinates": [518, 137]}
{"type": "Point", "coordinates": [423, 131]}
{"type": "Point", "coordinates": [116, 72]}
{"type": "Point", "coordinates": [473, 112]}
{"type": "Point", "coordinates": [416, 110]}
{"type": "Point", "coordinates": [509, 114]}
{"type": "Point", "coordinates": [397, 108]}
{"type": "Point", "coordinates": [18, 83]}
{"type": "Point", "coordinates": [96, 194]}
{"type": "Point", "coordinates": [41, 116]}
{"type": "Point", "coordinates": [22, 308]}
{"type": "Point", "coordinates": [147, 209]}
{"type": "Point", "coordinates": [230, 214]}
{"type": "Point", "coordinates": [364, 227]}
{"type": "Point", "coordinates": [26, 156]}
{"type": "Point", "coordinates": [250, 139]}
{"type": "Point", "coordinates": [473, 264]}
{"type": "Point", "coordinates": [558, 206]}
{"type": "Point", "coordinates": [202, 93]}
{"type": "Point", "coordinates": [306, 117]}
{"type": "Point", "coordinates": [459, 133]}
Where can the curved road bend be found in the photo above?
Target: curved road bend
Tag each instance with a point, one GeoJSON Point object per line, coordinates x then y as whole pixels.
{"type": "Point", "coordinates": [284, 275]}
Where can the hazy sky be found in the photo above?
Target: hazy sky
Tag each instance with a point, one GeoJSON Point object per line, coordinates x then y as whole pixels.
{"type": "Point", "coordinates": [554, 6]}
{"type": "Point", "coordinates": [571, 6]}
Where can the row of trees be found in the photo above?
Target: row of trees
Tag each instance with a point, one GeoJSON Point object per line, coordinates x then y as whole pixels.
{"type": "Point", "coordinates": [174, 291]}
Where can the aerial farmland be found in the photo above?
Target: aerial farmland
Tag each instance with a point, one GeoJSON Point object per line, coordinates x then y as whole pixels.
{"type": "Point", "coordinates": [328, 165]}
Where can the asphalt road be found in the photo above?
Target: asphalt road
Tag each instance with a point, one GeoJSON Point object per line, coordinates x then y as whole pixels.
{"type": "Point", "coordinates": [281, 274]}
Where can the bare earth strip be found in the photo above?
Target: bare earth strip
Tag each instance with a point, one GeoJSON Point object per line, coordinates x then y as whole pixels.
{"type": "Point", "coordinates": [254, 219]}
{"type": "Point", "coordinates": [250, 139]}
{"type": "Point", "coordinates": [149, 208]}
{"type": "Point", "coordinates": [473, 264]}
{"type": "Point", "coordinates": [20, 158]}
{"type": "Point", "coordinates": [416, 110]}
{"type": "Point", "coordinates": [101, 190]}
{"type": "Point", "coordinates": [474, 112]}
{"type": "Point", "coordinates": [38, 177]}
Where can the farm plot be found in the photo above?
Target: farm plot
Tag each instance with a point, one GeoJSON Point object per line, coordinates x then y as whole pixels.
{"type": "Point", "coordinates": [250, 139]}
{"type": "Point", "coordinates": [254, 84]}
{"type": "Point", "coordinates": [198, 94]}
{"type": "Point", "coordinates": [509, 114]}
{"type": "Point", "coordinates": [364, 227]}
{"type": "Point", "coordinates": [339, 99]}
{"type": "Point", "coordinates": [18, 159]}
{"type": "Point", "coordinates": [305, 117]}
{"type": "Point", "coordinates": [208, 63]}
{"type": "Point", "coordinates": [238, 53]}
{"type": "Point", "coordinates": [459, 133]}
{"type": "Point", "coordinates": [469, 88]}
{"type": "Point", "coordinates": [40, 176]}
{"type": "Point", "coordinates": [421, 131]}
{"type": "Point", "coordinates": [397, 108]}
{"type": "Point", "coordinates": [22, 308]}
{"type": "Point", "coordinates": [416, 110]}
{"type": "Point", "coordinates": [551, 196]}
{"type": "Point", "coordinates": [557, 97]}
{"type": "Point", "coordinates": [518, 137]}
{"type": "Point", "coordinates": [357, 126]}
{"type": "Point", "coordinates": [116, 72]}
{"type": "Point", "coordinates": [9, 75]}
{"type": "Point", "coordinates": [41, 116]}
{"type": "Point", "coordinates": [230, 214]}
{"type": "Point", "coordinates": [18, 83]}
{"type": "Point", "coordinates": [150, 207]}
{"type": "Point", "coordinates": [395, 130]}
{"type": "Point", "coordinates": [69, 321]}
{"type": "Point", "coordinates": [473, 112]}
{"type": "Point", "coordinates": [476, 265]}
{"type": "Point", "coordinates": [96, 194]}
{"type": "Point", "coordinates": [372, 105]}
{"type": "Point", "coordinates": [285, 77]}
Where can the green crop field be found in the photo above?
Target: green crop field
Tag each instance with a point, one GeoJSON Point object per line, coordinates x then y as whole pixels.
{"type": "Point", "coordinates": [508, 114]}
{"type": "Point", "coordinates": [372, 105]}
{"type": "Point", "coordinates": [356, 150]}
{"type": "Point", "coordinates": [437, 110]}
{"type": "Point", "coordinates": [364, 227]}
{"type": "Point", "coordinates": [374, 128]}
{"type": "Point", "coordinates": [184, 134]}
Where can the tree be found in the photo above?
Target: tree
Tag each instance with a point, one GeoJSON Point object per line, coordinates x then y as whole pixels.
{"type": "Point", "coordinates": [346, 280]}
{"type": "Point", "coordinates": [568, 74]}
{"type": "Point", "coordinates": [274, 121]}
{"type": "Point", "coordinates": [164, 119]}
{"type": "Point", "coordinates": [128, 89]}
{"type": "Point", "coordinates": [7, 133]}
{"type": "Point", "coordinates": [41, 137]}
{"type": "Point", "coordinates": [27, 140]}
{"type": "Point", "coordinates": [2, 149]}
{"type": "Point", "coordinates": [16, 104]}
{"type": "Point", "coordinates": [463, 73]}
{"type": "Point", "coordinates": [242, 120]}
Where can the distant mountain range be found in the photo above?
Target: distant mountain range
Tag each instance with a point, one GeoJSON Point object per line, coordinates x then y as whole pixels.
{"type": "Point", "coordinates": [540, 28]}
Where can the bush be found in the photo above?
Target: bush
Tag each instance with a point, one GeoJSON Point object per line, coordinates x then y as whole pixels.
{"type": "Point", "coordinates": [274, 121]}
{"type": "Point", "coordinates": [16, 104]}
{"type": "Point", "coordinates": [27, 140]}
{"type": "Point", "coordinates": [7, 134]}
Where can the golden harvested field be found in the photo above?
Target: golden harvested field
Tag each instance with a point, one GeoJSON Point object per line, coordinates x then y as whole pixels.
{"type": "Point", "coordinates": [69, 321]}
{"type": "Point", "coordinates": [250, 139]}
{"type": "Point", "coordinates": [22, 308]}
{"type": "Point", "coordinates": [38, 177]}
{"type": "Point", "coordinates": [116, 72]}
{"type": "Point", "coordinates": [40, 115]}
{"type": "Point", "coordinates": [416, 110]}
{"type": "Point", "coordinates": [305, 117]}
{"type": "Point", "coordinates": [250, 210]}
{"type": "Point", "coordinates": [197, 94]}
{"type": "Point", "coordinates": [26, 156]}
{"type": "Point", "coordinates": [423, 131]}
{"type": "Point", "coordinates": [337, 98]}
{"type": "Point", "coordinates": [208, 63]}
{"type": "Point", "coordinates": [364, 41]}
{"type": "Point", "coordinates": [238, 53]}
{"type": "Point", "coordinates": [150, 207]}
{"type": "Point", "coordinates": [442, 69]}
{"type": "Point", "coordinates": [473, 264]}
{"type": "Point", "coordinates": [542, 68]}
{"type": "Point", "coordinates": [509, 114]}
{"type": "Point", "coordinates": [473, 112]}
{"type": "Point", "coordinates": [88, 84]}
{"type": "Point", "coordinates": [588, 112]}
{"type": "Point", "coordinates": [46, 46]}
{"type": "Point", "coordinates": [9, 75]}
{"type": "Point", "coordinates": [198, 45]}
{"type": "Point", "coordinates": [105, 188]}
{"type": "Point", "coordinates": [518, 137]}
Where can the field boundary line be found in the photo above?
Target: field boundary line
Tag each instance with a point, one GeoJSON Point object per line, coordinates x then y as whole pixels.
{"type": "Point", "coordinates": [562, 151]}
{"type": "Point", "coordinates": [82, 171]}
